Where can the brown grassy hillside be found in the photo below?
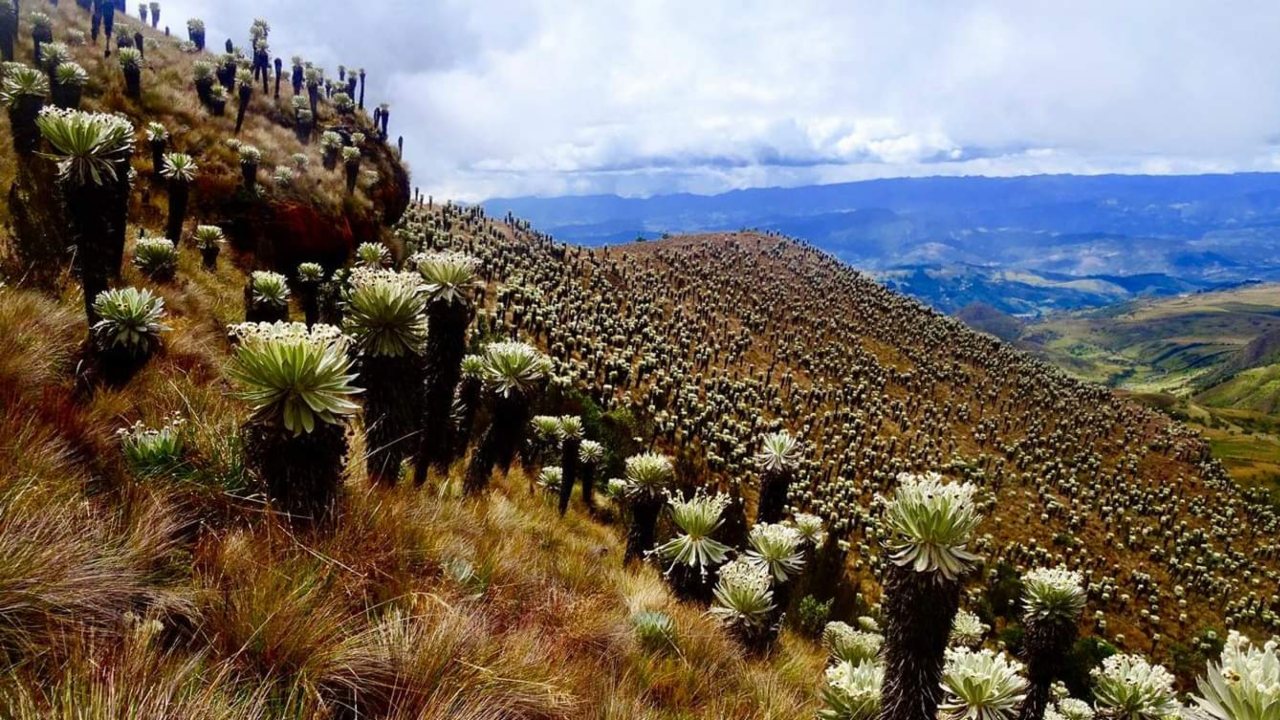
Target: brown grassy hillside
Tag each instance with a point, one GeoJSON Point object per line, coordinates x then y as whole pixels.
{"type": "Point", "coordinates": [712, 340]}
{"type": "Point", "coordinates": [313, 218]}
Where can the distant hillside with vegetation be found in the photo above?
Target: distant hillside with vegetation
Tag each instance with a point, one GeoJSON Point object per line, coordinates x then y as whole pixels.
{"type": "Point", "coordinates": [1208, 358]}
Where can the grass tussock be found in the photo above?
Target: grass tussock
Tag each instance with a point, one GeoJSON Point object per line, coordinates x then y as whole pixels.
{"type": "Point", "coordinates": [173, 593]}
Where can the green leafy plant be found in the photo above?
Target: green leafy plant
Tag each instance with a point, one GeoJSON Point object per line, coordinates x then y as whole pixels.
{"type": "Point", "coordinates": [293, 377]}
{"type": "Point", "coordinates": [654, 630]}
{"type": "Point", "coordinates": [852, 691]}
{"type": "Point", "coordinates": [373, 255]}
{"type": "Point", "coordinates": [88, 147]}
{"type": "Point", "coordinates": [69, 73]}
{"type": "Point", "coordinates": [743, 600]}
{"type": "Point", "coordinates": [647, 476]}
{"type": "Point", "coordinates": [982, 685]}
{"type": "Point", "coordinates": [447, 280]}
{"type": "Point", "coordinates": [269, 289]}
{"type": "Point", "coordinates": [777, 460]}
{"type": "Point", "coordinates": [697, 518]}
{"type": "Point", "coordinates": [157, 258]}
{"type": "Point", "coordinates": [384, 315]}
{"type": "Point", "coordinates": [154, 451]}
{"type": "Point", "coordinates": [209, 236]}
{"type": "Point", "coordinates": [1244, 684]}
{"type": "Point", "coordinates": [775, 548]}
{"type": "Point", "coordinates": [385, 312]}
{"type": "Point", "coordinates": [130, 320]}
{"type": "Point", "coordinates": [1052, 602]}
{"type": "Point", "coordinates": [179, 166]}
{"type": "Point", "coordinates": [968, 630]}
{"type": "Point", "coordinates": [1054, 595]}
{"type": "Point", "coordinates": [129, 58]}
{"type": "Point", "coordinates": [310, 272]}
{"type": "Point", "coordinates": [845, 644]}
{"type": "Point", "coordinates": [448, 276]}
{"type": "Point", "coordinates": [812, 615]}
{"type": "Point", "coordinates": [23, 81]}
{"type": "Point", "coordinates": [928, 525]}
{"type": "Point", "coordinates": [1130, 688]}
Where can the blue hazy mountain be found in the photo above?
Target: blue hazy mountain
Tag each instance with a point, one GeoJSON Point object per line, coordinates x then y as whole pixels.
{"type": "Point", "coordinates": [1049, 241]}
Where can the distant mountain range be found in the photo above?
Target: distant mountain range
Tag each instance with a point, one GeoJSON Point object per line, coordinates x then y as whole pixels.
{"type": "Point", "coordinates": [1025, 245]}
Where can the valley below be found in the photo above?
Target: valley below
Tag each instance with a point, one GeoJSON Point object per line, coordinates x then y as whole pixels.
{"type": "Point", "coordinates": [1210, 359]}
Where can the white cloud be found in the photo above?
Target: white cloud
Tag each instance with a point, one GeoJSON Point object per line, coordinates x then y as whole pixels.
{"type": "Point", "coordinates": [505, 97]}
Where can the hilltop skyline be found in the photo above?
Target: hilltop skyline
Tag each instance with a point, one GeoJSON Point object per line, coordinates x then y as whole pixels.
{"type": "Point", "coordinates": [550, 97]}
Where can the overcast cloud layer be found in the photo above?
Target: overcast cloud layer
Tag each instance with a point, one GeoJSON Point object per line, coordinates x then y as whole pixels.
{"type": "Point", "coordinates": [553, 97]}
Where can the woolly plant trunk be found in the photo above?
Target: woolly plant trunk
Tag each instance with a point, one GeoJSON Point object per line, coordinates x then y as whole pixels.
{"type": "Point", "coordinates": [446, 345]}
{"type": "Point", "coordinates": [824, 573]}
{"type": "Point", "coordinates": [1046, 644]}
{"type": "Point", "coordinates": [569, 463]}
{"type": "Point", "coordinates": [329, 157]}
{"type": "Point", "coordinates": [734, 531]}
{"type": "Point", "coordinates": [209, 256]}
{"type": "Point", "coordinates": [118, 218]}
{"type": "Point", "coordinates": [117, 364]}
{"type": "Point", "coordinates": [691, 584]}
{"type": "Point", "coordinates": [918, 609]}
{"type": "Point", "coordinates": [309, 298]}
{"type": "Point", "coordinates": [500, 442]}
{"type": "Point", "coordinates": [179, 193]}
{"type": "Point", "coordinates": [226, 75]}
{"type": "Point", "coordinates": [197, 37]}
{"type": "Point", "coordinates": [296, 80]}
{"type": "Point", "coordinates": [588, 471]}
{"type": "Point", "coordinates": [329, 297]}
{"type": "Point", "coordinates": [246, 93]}
{"type": "Point", "coordinates": [468, 401]}
{"type": "Point", "coordinates": [774, 486]}
{"type": "Point", "coordinates": [249, 173]}
{"type": "Point", "coordinates": [157, 154]}
{"type": "Point", "coordinates": [66, 95]}
{"type": "Point", "coordinates": [204, 86]}
{"type": "Point", "coordinates": [392, 407]}
{"type": "Point", "coordinates": [108, 22]}
{"type": "Point", "coordinates": [89, 209]}
{"type": "Point", "coordinates": [642, 529]}
{"type": "Point", "coordinates": [8, 30]}
{"type": "Point", "coordinates": [217, 106]}
{"type": "Point", "coordinates": [353, 173]}
{"type": "Point", "coordinates": [300, 474]}
{"type": "Point", "coordinates": [133, 82]}
{"type": "Point", "coordinates": [279, 75]}
{"type": "Point", "coordinates": [22, 121]}
{"type": "Point", "coordinates": [38, 39]}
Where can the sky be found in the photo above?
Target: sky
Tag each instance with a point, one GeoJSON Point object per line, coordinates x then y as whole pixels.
{"type": "Point", "coordinates": [504, 98]}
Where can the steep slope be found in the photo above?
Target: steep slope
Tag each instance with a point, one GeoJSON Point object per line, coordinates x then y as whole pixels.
{"type": "Point", "coordinates": [312, 217]}
{"type": "Point", "coordinates": [712, 340]}
{"type": "Point", "coordinates": [985, 318]}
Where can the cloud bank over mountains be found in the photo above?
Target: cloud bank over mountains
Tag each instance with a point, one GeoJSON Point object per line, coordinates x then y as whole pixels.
{"type": "Point", "coordinates": [550, 97]}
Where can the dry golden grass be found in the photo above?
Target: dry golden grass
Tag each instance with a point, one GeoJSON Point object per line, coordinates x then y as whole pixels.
{"type": "Point", "coordinates": [177, 592]}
